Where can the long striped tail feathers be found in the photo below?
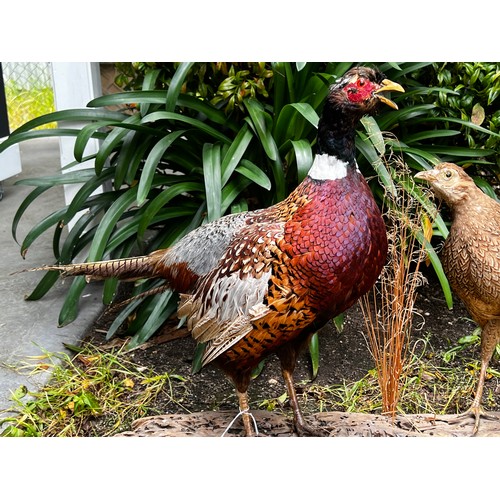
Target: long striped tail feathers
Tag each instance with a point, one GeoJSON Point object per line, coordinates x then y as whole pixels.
{"type": "Point", "coordinates": [128, 269]}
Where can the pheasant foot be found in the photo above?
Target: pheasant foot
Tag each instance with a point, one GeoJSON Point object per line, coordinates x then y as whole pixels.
{"type": "Point", "coordinates": [475, 411]}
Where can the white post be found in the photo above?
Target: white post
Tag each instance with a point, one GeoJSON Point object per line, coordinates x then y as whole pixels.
{"type": "Point", "coordinates": [75, 85]}
{"type": "Point", "coordinates": [10, 159]}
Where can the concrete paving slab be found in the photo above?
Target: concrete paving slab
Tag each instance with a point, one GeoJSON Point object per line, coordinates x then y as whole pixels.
{"type": "Point", "coordinates": [27, 328]}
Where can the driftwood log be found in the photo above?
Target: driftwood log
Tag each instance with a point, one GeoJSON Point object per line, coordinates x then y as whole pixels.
{"type": "Point", "coordinates": [219, 423]}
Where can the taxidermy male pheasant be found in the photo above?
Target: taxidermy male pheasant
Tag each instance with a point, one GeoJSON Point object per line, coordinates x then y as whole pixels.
{"type": "Point", "coordinates": [263, 282]}
{"type": "Point", "coordinates": [471, 258]}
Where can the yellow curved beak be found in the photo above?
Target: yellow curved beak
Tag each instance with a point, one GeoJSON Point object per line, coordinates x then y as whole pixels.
{"type": "Point", "coordinates": [388, 86]}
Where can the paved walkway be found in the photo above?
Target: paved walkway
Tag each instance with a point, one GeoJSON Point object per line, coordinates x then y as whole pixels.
{"type": "Point", "coordinates": [27, 328]}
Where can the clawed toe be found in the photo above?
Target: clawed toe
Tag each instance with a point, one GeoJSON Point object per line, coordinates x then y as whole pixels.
{"type": "Point", "coordinates": [306, 430]}
{"type": "Point", "coordinates": [475, 412]}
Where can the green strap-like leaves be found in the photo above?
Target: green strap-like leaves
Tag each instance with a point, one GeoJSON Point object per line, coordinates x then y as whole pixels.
{"type": "Point", "coordinates": [164, 115]}
{"type": "Point", "coordinates": [303, 157]}
{"type": "Point", "coordinates": [213, 184]}
{"type": "Point", "coordinates": [235, 152]}
{"type": "Point", "coordinates": [254, 173]}
{"type": "Point", "coordinates": [163, 199]}
{"type": "Point", "coordinates": [262, 122]}
{"type": "Point", "coordinates": [152, 161]}
{"type": "Point", "coordinates": [24, 206]}
{"type": "Point", "coordinates": [176, 84]}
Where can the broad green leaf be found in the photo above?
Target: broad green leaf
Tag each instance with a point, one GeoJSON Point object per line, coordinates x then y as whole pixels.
{"type": "Point", "coordinates": [429, 134]}
{"type": "Point", "coordinates": [212, 176]}
{"type": "Point", "coordinates": [165, 306]}
{"type": "Point", "coordinates": [392, 117]}
{"type": "Point", "coordinates": [69, 309]}
{"type": "Point", "coordinates": [235, 152]}
{"type": "Point", "coordinates": [416, 192]}
{"type": "Point", "coordinates": [239, 206]}
{"type": "Point", "coordinates": [131, 154]}
{"type": "Point", "coordinates": [148, 84]}
{"type": "Point", "coordinates": [287, 124]}
{"type": "Point", "coordinates": [198, 124]}
{"type": "Point", "coordinates": [254, 173]}
{"type": "Point", "coordinates": [198, 354]}
{"type": "Point", "coordinates": [303, 157]}
{"type": "Point", "coordinates": [74, 177]}
{"type": "Point", "coordinates": [370, 153]}
{"type": "Point", "coordinates": [374, 133]}
{"type": "Point", "coordinates": [162, 199]}
{"type": "Point", "coordinates": [175, 86]}
{"type": "Point", "coordinates": [56, 240]}
{"type": "Point", "coordinates": [486, 187]}
{"type": "Point", "coordinates": [280, 187]}
{"type": "Point", "coordinates": [338, 321]}
{"type": "Point", "coordinates": [111, 142]}
{"type": "Point", "coordinates": [151, 164]}
{"type": "Point", "coordinates": [78, 236]}
{"type": "Point", "coordinates": [36, 134]}
{"type": "Point", "coordinates": [44, 285]}
{"type": "Point", "coordinates": [160, 97]}
{"type": "Point", "coordinates": [84, 192]}
{"type": "Point", "coordinates": [24, 206]}
{"type": "Point", "coordinates": [314, 353]}
{"type": "Point", "coordinates": [436, 264]}
{"type": "Point", "coordinates": [40, 228]}
{"type": "Point", "coordinates": [108, 223]}
{"type": "Point", "coordinates": [131, 97]}
{"type": "Point", "coordinates": [70, 115]}
{"type": "Point", "coordinates": [121, 317]}
{"type": "Point", "coordinates": [109, 290]}
{"type": "Point", "coordinates": [279, 87]}
{"type": "Point", "coordinates": [130, 230]}
{"type": "Point", "coordinates": [290, 81]}
{"type": "Point", "coordinates": [460, 122]}
{"type": "Point", "coordinates": [87, 133]}
{"type": "Point", "coordinates": [459, 151]}
{"type": "Point", "coordinates": [262, 121]}
{"type": "Point", "coordinates": [232, 190]}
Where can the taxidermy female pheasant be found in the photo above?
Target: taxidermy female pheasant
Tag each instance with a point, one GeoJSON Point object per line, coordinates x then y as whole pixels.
{"type": "Point", "coordinates": [263, 282]}
{"type": "Point", "coordinates": [471, 258]}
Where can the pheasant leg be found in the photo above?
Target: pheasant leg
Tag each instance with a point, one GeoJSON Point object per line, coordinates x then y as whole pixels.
{"type": "Point", "coordinates": [489, 339]}
{"type": "Point", "coordinates": [301, 427]}
{"type": "Point", "coordinates": [248, 424]}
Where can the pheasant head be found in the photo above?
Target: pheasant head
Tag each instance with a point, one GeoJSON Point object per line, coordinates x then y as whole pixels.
{"type": "Point", "coordinates": [359, 92]}
{"type": "Point", "coordinates": [450, 182]}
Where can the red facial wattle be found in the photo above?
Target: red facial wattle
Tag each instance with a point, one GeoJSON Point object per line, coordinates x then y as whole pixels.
{"type": "Point", "coordinates": [360, 90]}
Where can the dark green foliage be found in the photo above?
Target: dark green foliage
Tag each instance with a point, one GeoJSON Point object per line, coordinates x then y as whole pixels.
{"type": "Point", "coordinates": [194, 141]}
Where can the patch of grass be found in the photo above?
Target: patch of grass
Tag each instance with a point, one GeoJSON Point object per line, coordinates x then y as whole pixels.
{"type": "Point", "coordinates": [26, 104]}
{"type": "Point", "coordinates": [428, 384]}
{"type": "Point", "coordinates": [95, 393]}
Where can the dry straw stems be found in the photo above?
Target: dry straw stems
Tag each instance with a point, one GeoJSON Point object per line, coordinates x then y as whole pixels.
{"type": "Point", "coordinates": [388, 308]}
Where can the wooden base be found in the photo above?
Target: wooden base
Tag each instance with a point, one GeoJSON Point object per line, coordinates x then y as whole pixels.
{"type": "Point", "coordinates": [214, 423]}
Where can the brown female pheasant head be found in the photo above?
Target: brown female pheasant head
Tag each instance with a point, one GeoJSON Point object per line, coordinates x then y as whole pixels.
{"type": "Point", "coordinates": [450, 182]}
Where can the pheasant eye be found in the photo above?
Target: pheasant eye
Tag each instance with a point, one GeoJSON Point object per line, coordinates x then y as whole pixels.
{"type": "Point", "coordinates": [361, 82]}
{"type": "Point", "coordinates": [448, 174]}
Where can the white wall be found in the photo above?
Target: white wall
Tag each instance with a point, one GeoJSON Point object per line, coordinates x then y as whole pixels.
{"type": "Point", "coordinates": [75, 84]}
{"type": "Point", "coordinates": [10, 161]}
